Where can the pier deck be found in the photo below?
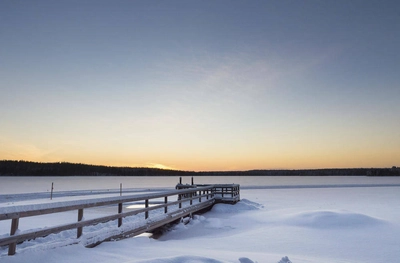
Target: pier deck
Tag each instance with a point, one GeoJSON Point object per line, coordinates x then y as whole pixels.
{"type": "Point", "coordinates": [158, 209]}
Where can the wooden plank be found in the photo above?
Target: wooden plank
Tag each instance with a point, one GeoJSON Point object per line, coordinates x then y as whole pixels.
{"type": "Point", "coordinates": [155, 224]}
{"type": "Point", "coordinates": [79, 229]}
{"type": "Point", "coordinates": [14, 226]}
{"type": "Point", "coordinates": [28, 210]}
{"type": "Point", "coordinates": [208, 191]}
{"type": "Point", "coordinates": [120, 212]}
{"type": "Point", "coordinates": [146, 214]}
{"type": "Point", "coordinates": [44, 232]}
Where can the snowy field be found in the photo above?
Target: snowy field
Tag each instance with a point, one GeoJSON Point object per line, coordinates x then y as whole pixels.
{"type": "Point", "coordinates": [313, 220]}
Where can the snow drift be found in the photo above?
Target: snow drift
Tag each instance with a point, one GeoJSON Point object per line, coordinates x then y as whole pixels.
{"type": "Point", "coordinates": [333, 219]}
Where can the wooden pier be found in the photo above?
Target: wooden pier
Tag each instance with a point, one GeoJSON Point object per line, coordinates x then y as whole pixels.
{"type": "Point", "coordinates": [168, 206]}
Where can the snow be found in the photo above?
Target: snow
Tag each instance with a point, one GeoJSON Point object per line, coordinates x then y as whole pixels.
{"type": "Point", "coordinates": [283, 225]}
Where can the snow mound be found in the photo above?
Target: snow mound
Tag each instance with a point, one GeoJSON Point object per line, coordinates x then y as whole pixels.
{"type": "Point", "coordinates": [243, 205]}
{"type": "Point", "coordinates": [182, 259]}
{"type": "Point", "coordinates": [332, 219]}
{"type": "Point", "coordinates": [246, 260]}
{"type": "Point", "coordinates": [285, 260]}
{"type": "Point", "coordinates": [194, 259]}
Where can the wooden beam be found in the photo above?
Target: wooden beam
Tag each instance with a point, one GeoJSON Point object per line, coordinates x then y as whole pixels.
{"type": "Point", "coordinates": [79, 229]}
{"type": "Point", "coordinates": [28, 210]}
{"type": "Point", "coordinates": [146, 205]}
{"type": "Point", "coordinates": [191, 194]}
{"type": "Point", "coordinates": [119, 212]}
{"type": "Point", "coordinates": [14, 226]}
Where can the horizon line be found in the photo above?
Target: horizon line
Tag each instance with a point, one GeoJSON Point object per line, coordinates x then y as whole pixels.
{"type": "Point", "coordinates": [221, 171]}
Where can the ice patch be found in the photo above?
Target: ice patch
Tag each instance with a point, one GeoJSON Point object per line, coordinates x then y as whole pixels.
{"type": "Point", "coordinates": [332, 219]}
{"type": "Point", "coordinates": [243, 205]}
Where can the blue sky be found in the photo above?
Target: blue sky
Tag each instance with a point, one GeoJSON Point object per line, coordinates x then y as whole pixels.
{"type": "Point", "coordinates": [201, 85]}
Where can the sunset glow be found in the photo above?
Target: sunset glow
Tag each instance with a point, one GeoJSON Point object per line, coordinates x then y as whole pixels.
{"type": "Point", "coordinates": [201, 85]}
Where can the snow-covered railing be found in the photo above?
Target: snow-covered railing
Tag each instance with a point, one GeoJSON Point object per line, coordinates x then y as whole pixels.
{"type": "Point", "coordinates": [224, 193]}
{"type": "Point", "coordinates": [227, 193]}
{"type": "Point", "coordinates": [197, 194]}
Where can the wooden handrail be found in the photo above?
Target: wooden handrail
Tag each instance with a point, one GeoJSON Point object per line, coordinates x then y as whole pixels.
{"type": "Point", "coordinates": [183, 195]}
{"type": "Point", "coordinates": [30, 210]}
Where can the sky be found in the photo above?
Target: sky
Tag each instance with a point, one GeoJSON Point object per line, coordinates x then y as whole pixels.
{"type": "Point", "coordinates": [201, 85]}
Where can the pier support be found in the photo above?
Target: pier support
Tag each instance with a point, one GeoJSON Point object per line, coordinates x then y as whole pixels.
{"type": "Point", "coordinates": [79, 229]}
{"type": "Point", "coordinates": [14, 226]}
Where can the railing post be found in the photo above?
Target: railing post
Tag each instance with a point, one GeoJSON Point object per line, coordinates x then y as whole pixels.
{"type": "Point", "coordinates": [200, 196]}
{"type": "Point", "coordinates": [14, 226]}
{"type": "Point", "coordinates": [191, 196]}
{"type": "Point", "coordinates": [52, 188]}
{"type": "Point", "coordinates": [165, 202]}
{"type": "Point", "coordinates": [119, 212]}
{"type": "Point", "coordinates": [80, 217]}
{"type": "Point", "coordinates": [146, 214]}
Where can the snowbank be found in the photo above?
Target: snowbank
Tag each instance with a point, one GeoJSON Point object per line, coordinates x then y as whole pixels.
{"type": "Point", "coordinates": [333, 219]}
{"type": "Point", "coordinates": [337, 225]}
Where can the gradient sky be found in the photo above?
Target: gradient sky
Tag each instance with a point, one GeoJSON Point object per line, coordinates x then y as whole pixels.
{"type": "Point", "coordinates": [201, 85]}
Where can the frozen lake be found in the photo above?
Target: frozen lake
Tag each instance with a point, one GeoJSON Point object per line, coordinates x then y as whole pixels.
{"type": "Point", "coordinates": [307, 219]}
{"type": "Point", "coordinates": [15, 185]}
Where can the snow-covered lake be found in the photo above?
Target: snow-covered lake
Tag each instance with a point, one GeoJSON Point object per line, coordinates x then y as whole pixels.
{"type": "Point", "coordinates": [301, 219]}
{"type": "Point", "coordinates": [23, 184]}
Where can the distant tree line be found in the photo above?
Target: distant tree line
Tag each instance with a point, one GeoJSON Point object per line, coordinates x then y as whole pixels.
{"type": "Point", "coordinates": [25, 168]}
{"type": "Point", "coordinates": [394, 171]}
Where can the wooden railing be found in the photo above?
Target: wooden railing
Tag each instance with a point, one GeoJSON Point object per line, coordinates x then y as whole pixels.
{"type": "Point", "coordinates": [188, 199]}
{"type": "Point", "coordinates": [223, 193]}
{"type": "Point", "coordinates": [182, 196]}
{"type": "Point", "coordinates": [227, 193]}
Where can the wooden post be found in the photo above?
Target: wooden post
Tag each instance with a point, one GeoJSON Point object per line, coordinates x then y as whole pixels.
{"type": "Point", "coordinates": [120, 189]}
{"type": "Point", "coordinates": [200, 196]}
{"type": "Point", "coordinates": [180, 203]}
{"type": "Point", "coordinates": [51, 193]}
{"type": "Point", "coordinates": [191, 196]}
{"type": "Point", "coordinates": [146, 214]}
{"type": "Point", "coordinates": [166, 201]}
{"type": "Point", "coordinates": [14, 226]}
{"type": "Point", "coordinates": [180, 180]}
{"type": "Point", "coordinates": [80, 217]}
{"type": "Point", "coordinates": [119, 212]}
{"type": "Point", "coordinates": [192, 181]}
